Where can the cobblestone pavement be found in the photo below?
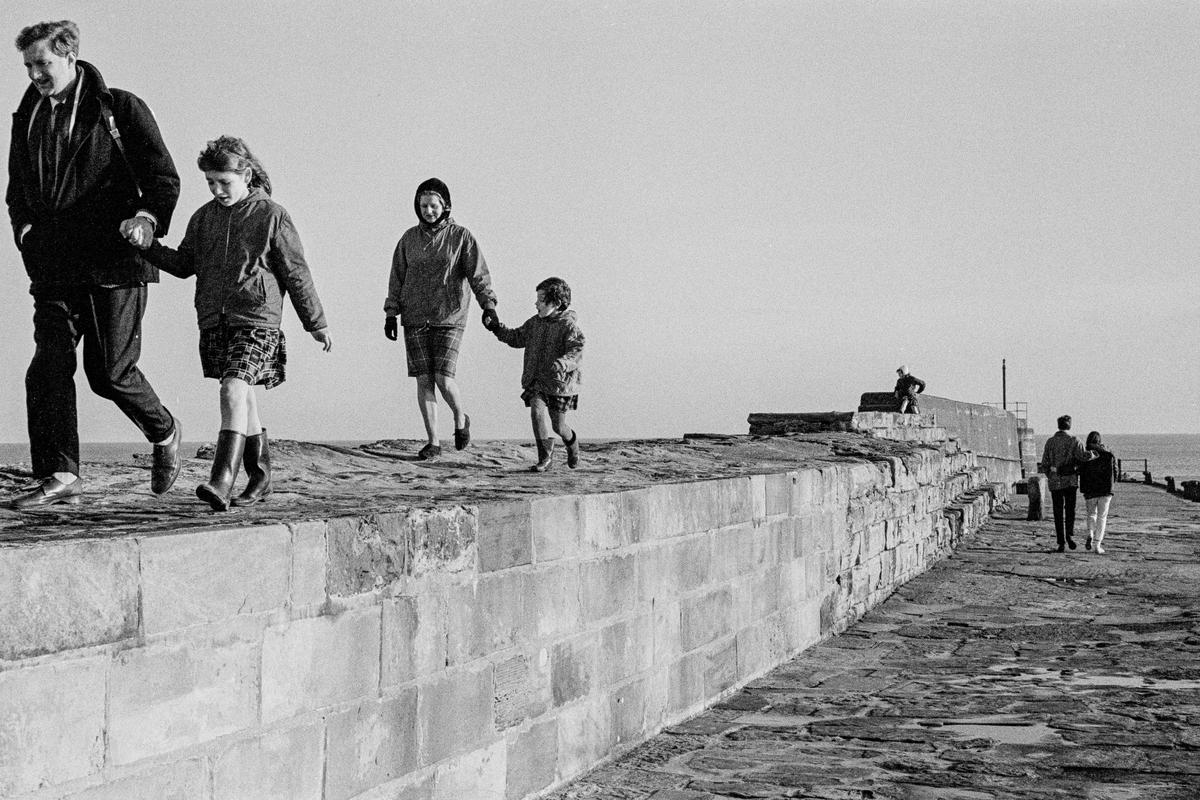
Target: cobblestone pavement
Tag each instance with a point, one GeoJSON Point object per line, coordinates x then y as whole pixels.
{"type": "Point", "coordinates": [1006, 671]}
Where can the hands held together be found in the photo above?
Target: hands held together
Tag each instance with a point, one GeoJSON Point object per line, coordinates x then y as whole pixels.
{"type": "Point", "coordinates": [139, 232]}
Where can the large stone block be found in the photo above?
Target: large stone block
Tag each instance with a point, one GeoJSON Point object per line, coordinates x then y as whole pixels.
{"type": "Point", "coordinates": [532, 758]}
{"type": "Point", "coordinates": [314, 663]}
{"type": "Point", "coordinates": [705, 617]}
{"type": "Point", "coordinates": [585, 735]}
{"type": "Point", "coordinates": [281, 764]}
{"type": "Point", "coordinates": [487, 616]}
{"type": "Point", "coordinates": [573, 666]}
{"type": "Point", "coordinates": [627, 709]}
{"type": "Point", "coordinates": [690, 563]}
{"type": "Point", "coordinates": [195, 578]}
{"type": "Point", "coordinates": [554, 600]}
{"type": "Point", "coordinates": [181, 780]}
{"type": "Point", "coordinates": [666, 631]}
{"type": "Point", "coordinates": [166, 697]}
{"type": "Point", "coordinates": [608, 586]}
{"type": "Point", "coordinates": [522, 688]}
{"type": "Point", "coordinates": [66, 596]}
{"type": "Point", "coordinates": [371, 744]}
{"type": "Point", "coordinates": [374, 551]}
{"type": "Point", "coordinates": [455, 714]}
{"type": "Point", "coordinates": [309, 560]}
{"type": "Point", "coordinates": [627, 648]}
{"type": "Point", "coordinates": [777, 492]}
{"type": "Point", "coordinates": [557, 526]}
{"type": "Point", "coordinates": [479, 775]}
{"type": "Point", "coordinates": [51, 724]}
{"type": "Point", "coordinates": [413, 637]}
{"type": "Point", "coordinates": [505, 535]}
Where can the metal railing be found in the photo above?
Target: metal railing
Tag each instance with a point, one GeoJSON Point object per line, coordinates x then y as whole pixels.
{"type": "Point", "coordinates": [1018, 407]}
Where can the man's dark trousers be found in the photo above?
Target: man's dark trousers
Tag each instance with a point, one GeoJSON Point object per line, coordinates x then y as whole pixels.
{"type": "Point", "coordinates": [1064, 513]}
{"type": "Point", "coordinates": [109, 322]}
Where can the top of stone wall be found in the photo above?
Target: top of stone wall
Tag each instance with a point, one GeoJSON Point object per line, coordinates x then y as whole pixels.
{"type": "Point", "coordinates": [321, 481]}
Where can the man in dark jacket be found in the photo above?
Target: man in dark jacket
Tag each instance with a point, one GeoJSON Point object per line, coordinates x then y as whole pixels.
{"type": "Point", "coordinates": [88, 178]}
{"type": "Point", "coordinates": [908, 386]}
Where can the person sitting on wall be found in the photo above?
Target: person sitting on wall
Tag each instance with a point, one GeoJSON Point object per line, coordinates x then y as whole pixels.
{"type": "Point", "coordinates": [908, 386]}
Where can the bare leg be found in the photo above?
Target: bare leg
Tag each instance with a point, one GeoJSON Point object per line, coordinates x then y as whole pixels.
{"type": "Point", "coordinates": [540, 417]}
{"type": "Point", "coordinates": [253, 422]}
{"type": "Point", "coordinates": [235, 404]}
{"type": "Point", "coordinates": [449, 389]}
{"type": "Point", "coordinates": [559, 420]}
{"type": "Point", "coordinates": [427, 402]}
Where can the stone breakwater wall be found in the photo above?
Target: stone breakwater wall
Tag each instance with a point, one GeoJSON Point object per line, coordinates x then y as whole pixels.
{"type": "Point", "coordinates": [485, 651]}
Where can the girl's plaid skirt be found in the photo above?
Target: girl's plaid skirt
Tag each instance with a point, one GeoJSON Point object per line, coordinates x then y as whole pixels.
{"type": "Point", "coordinates": [554, 402]}
{"type": "Point", "coordinates": [256, 355]}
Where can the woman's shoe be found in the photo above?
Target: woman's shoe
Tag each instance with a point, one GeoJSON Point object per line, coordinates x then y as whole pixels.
{"type": "Point", "coordinates": [573, 450]}
{"type": "Point", "coordinates": [429, 452]}
{"type": "Point", "coordinates": [545, 455]}
{"type": "Point", "coordinates": [462, 436]}
{"type": "Point", "coordinates": [1100, 550]}
{"type": "Point", "coordinates": [1088, 544]}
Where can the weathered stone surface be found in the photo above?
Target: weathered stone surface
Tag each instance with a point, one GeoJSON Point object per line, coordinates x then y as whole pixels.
{"type": "Point", "coordinates": [532, 758]}
{"type": "Point", "coordinates": [51, 724]}
{"type": "Point", "coordinates": [65, 596]}
{"type": "Point", "coordinates": [313, 663]}
{"type": "Point", "coordinates": [1006, 671]}
{"type": "Point", "coordinates": [167, 697]}
{"type": "Point", "coordinates": [371, 744]}
{"type": "Point", "coordinates": [455, 714]}
{"type": "Point", "coordinates": [309, 562]}
{"type": "Point", "coordinates": [413, 637]}
{"type": "Point", "coordinates": [480, 774]}
{"type": "Point", "coordinates": [281, 764]}
{"type": "Point", "coordinates": [487, 615]}
{"type": "Point", "coordinates": [505, 535]}
{"type": "Point", "coordinates": [182, 780]}
{"type": "Point", "coordinates": [189, 579]}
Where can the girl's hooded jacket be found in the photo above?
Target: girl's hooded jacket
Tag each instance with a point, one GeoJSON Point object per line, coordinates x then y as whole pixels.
{"type": "Point", "coordinates": [431, 268]}
{"type": "Point", "coordinates": [245, 258]}
{"type": "Point", "coordinates": [553, 349]}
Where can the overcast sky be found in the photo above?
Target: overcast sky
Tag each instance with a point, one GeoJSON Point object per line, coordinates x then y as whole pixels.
{"type": "Point", "coordinates": [760, 206]}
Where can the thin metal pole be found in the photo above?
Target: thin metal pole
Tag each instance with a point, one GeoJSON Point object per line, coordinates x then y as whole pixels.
{"type": "Point", "coordinates": [1004, 383]}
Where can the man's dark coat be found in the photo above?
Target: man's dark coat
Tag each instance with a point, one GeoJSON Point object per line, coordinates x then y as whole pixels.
{"type": "Point", "coordinates": [76, 238]}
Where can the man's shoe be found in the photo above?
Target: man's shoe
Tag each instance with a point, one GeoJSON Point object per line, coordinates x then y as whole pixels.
{"type": "Point", "coordinates": [167, 462]}
{"type": "Point", "coordinates": [1061, 549]}
{"type": "Point", "coordinates": [1071, 543]}
{"type": "Point", "coordinates": [429, 452]}
{"type": "Point", "coordinates": [1088, 544]}
{"type": "Point", "coordinates": [462, 436]}
{"type": "Point", "coordinates": [50, 492]}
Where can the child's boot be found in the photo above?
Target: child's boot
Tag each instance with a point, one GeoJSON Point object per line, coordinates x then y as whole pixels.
{"type": "Point", "coordinates": [545, 455]}
{"type": "Point", "coordinates": [226, 461]}
{"type": "Point", "coordinates": [573, 450]}
{"type": "Point", "coordinates": [256, 458]}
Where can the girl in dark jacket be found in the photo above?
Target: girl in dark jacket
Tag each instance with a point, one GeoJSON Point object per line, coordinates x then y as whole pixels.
{"type": "Point", "coordinates": [1096, 482]}
{"type": "Point", "coordinates": [245, 253]}
{"type": "Point", "coordinates": [550, 379]}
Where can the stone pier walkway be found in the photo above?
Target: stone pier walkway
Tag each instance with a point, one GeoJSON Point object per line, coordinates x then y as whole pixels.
{"type": "Point", "coordinates": [1005, 672]}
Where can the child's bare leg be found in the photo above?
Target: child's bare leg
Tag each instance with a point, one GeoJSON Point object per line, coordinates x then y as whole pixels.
{"type": "Point", "coordinates": [235, 404]}
{"type": "Point", "coordinates": [253, 422]}
{"type": "Point", "coordinates": [427, 402]}
{"type": "Point", "coordinates": [540, 416]}
{"type": "Point", "coordinates": [559, 420]}
{"type": "Point", "coordinates": [449, 390]}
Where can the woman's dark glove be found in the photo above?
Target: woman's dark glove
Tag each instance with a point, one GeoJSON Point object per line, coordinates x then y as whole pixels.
{"type": "Point", "coordinates": [389, 328]}
{"type": "Point", "coordinates": [491, 321]}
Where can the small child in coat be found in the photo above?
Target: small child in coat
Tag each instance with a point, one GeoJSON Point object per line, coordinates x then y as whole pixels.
{"type": "Point", "coordinates": [550, 379]}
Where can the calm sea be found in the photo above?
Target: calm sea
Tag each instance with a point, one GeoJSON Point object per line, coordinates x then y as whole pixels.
{"type": "Point", "coordinates": [1177, 455]}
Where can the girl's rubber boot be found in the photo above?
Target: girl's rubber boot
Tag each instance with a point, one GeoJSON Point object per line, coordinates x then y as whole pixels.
{"type": "Point", "coordinates": [219, 489]}
{"type": "Point", "coordinates": [545, 455]}
{"type": "Point", "coordinates": [573, 450]}
{"type": "Point", "coordinates": [256, 459]}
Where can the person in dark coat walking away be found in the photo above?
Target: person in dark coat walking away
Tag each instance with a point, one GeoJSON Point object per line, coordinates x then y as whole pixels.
{"type": "Point", "coordinates": [907, 388]}
{"type": "Point", "coordinates": [88, 174]}
{"type": "Point", "coordinates": [551, 374]}
{"type": "Point", "coordinates": [1096, 479]}
{"type": "Point", "coordinates": [433, 264]}
{"type": "Point", "coordinates": [246, 255]}
{"type": "Point", "coordinates": [1061, 458]}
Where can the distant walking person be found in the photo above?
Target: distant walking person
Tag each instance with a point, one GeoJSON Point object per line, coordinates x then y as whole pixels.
{"type": "Point", "coordinates": [908, 386]}
{"type": "Point", "coordinates": [1061, 458]}
{"type": "Point", "coordinates": [433, 264]}
{"type": "Point", "coordinates": [1096, 479]}
{"type": "Point", "coordinates": [246, 255]}
{"type": "Point", "coordinates": [87, 170]}
{"type": "Point", "coordinates": [551, 374]}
